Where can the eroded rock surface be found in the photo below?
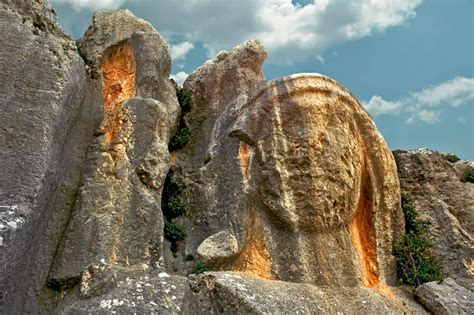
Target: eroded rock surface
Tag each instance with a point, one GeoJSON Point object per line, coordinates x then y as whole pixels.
{"type": "Point", "coordinates": [231, 293]}
{"type": "Point", "coordinates": [446, 297]}
{"type": "Point", "coordinates": [117, 217]}
{"type": "Point", "coordinates": [48, 109]}
{"type": "Point", "coordinates": [448, 203]}
{"type": "Point", "coordinates": [291, 189]}
{"type": "Point", "coordinates": [135, 292]}
{"type": "Point", "coordinates": [295, 169]}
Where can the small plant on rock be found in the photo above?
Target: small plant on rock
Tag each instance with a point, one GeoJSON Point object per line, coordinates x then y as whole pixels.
{"type": "Point", "coordinates": [415, 263]}
{"type": "Point", "coordinates": [174, 207]}
{"type": "Point", "coordinates": [452, 158]}
{"type": "Point", "coordinates": [182, 135]}
{"type": "Point", "coordinates": [180, 139]}
{"type": "Point", "coordinates": [200, 267]}
{"type": "Point", "coordinates": [174, 232]}
{"type": "Point", "coordinates": [468, 175]}
{"type": "Point", "coordinates": [185, 100]}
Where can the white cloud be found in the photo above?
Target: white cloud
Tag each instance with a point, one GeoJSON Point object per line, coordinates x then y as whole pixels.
{"type": "Point", "coordinates": [454, 92]}
{"type": "Point", "coordinates": [425, 104]}
{"type": "Point", "coordinates": [180, 77]}
{"type": "Point", "coordinates": [91, 4]}
{"type": "Point", "coordinates": [180, 50]}
{"type": "Point", "coordinates": [378, 106]}
{"type": "Point", "coordinates": [289, 31]}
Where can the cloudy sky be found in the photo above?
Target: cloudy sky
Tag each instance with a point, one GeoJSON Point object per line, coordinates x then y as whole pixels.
{"type": "Point", "coordinates": [411, 62]}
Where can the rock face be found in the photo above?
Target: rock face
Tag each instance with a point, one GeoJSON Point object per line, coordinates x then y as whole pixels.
{"type": "Point", "coordinates": [296, 170]}
{"type": "Point", "coordinates": [448, 203]}
{"type": "Point", "coordinates": [226, 293]}
{"type": "Point", "coordinates": [292, 192]}
{"type": "Point", "coordinates": [117, 217]}
{"type": "Point", "coordinates": [63, 210]}
{"type": "Point", "coordinates": [446, 297]}
{"type": "Point", "coordinates": [48, 109]}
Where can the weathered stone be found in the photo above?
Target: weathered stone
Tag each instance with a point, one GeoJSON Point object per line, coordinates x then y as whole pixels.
{"type": "Point", "coordinates": [47, 112]}
{"type": "Point", "coordinates": [230, 293]}
{"type": "Point", "coordinates": [448, 203]}
{"type": "Point", "coordinates": [446, 297]}
{"type": "Point", "coordinates": [217, 248]}
{"type": "Point", "coordinates": [298, 173]}
{"type": "Point", "coordinates": [135, 292]}
{"type": "Point", "coordinates": [97, 280]}
{"type": "Point", "coordinates": [286, 179]}
{"type": "Point", "coordinates": [117, 218]}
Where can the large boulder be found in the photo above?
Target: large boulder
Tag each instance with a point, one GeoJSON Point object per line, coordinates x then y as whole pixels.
{"type": "Point", "coordinates": [448, 203]}
{"type": "Point", "coordinates": [48, 110]}
{"type": "Point", "coordinates": [446, 297]}
{"type": "Point", "coordinates": [295, 169]}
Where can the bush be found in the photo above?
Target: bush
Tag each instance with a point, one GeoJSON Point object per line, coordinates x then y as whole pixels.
{"type": "Point", "coordinates": [468, 175]}
{"type": "Point", "coordinates": [182, 135]}
{"type": "Point", "coordinates": [200, 267]}
{"type": "Point", "coordinates": [185, 101]}
{"type": "Point", "coordinates": [174, 207]}
{"type": "Point", "coordinates": [189, 257]}
{"type": "Point", "coordinates": [415, 263]}
{"type": "Point", "coordinates": [172, 187]}
{"type": "Point", "coordinates": [174, 232]}
{"type": "Point", "coordinates": [180, 139]}
{"type": "Point", "coordinates": [453, 158]}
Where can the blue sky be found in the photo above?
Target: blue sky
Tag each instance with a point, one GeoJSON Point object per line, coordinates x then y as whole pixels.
{"type": "Point", "coordinates": [411, 62]}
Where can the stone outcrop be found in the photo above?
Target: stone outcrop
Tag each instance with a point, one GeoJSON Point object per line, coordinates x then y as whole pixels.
{"type": "Point", "coordinates": [446, 297]}
{"type": "Point", "coordinates": [292, 194]}
{"type": "Point", "coordinates": [296, 170]}
{"type": "Point", "coordinates": [448, 203]}
{"type": "Point", "coordinates": [117, 217]}
{"type": "Point", "coordinates": [86, 150]}
{"type": "Point", "coordinates": [48, 109]}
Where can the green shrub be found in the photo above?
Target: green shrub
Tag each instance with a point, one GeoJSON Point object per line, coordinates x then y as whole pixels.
{"type": "Point", "coordinates": [189, 257]}
{"type": "Point", "coordinates": [185, 101]}
{"type": "Point", "coordinates": [453, 158]}
{"type": "Point", "coordinates": [180, 139]}
{"type": "Point", "coordinates": [174, 207]}
{"type": "Point", "coordinates": [468, 175]}
{"type": "Point", "coordinates": [182, 135]}
{"type": "Point", "coordinates": [172, 186]}
{"type": "Point", "coordinates": [174, 232]}
{"type": "Point", "coordinates": [415, 263]}
{"type": "Point", "coordinates": [200, 267]}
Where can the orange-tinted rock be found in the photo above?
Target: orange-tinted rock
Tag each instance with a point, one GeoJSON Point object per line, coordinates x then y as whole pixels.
{"type": "Point", "coordinates": [117, 217]}
{"type": "Point", "coordinates": [299, 173]}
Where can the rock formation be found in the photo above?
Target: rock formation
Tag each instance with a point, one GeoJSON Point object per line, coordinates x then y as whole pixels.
{"type": "Point", "coordinates": [128, 160]}
{"type": "Point", "coordinates": [48, 108]}
{"type": "Point", "coordinates": [290, 174]}
{"type": "Point", "coordinates": [446, 297]}
{"type": "Point", "coordinates": [448, 203]}
{"type": "Point", "coordinates": [293, 196]}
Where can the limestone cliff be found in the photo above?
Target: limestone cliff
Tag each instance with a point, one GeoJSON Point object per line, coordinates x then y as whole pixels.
{"type": "Point", "coordinates": [293, 197]}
